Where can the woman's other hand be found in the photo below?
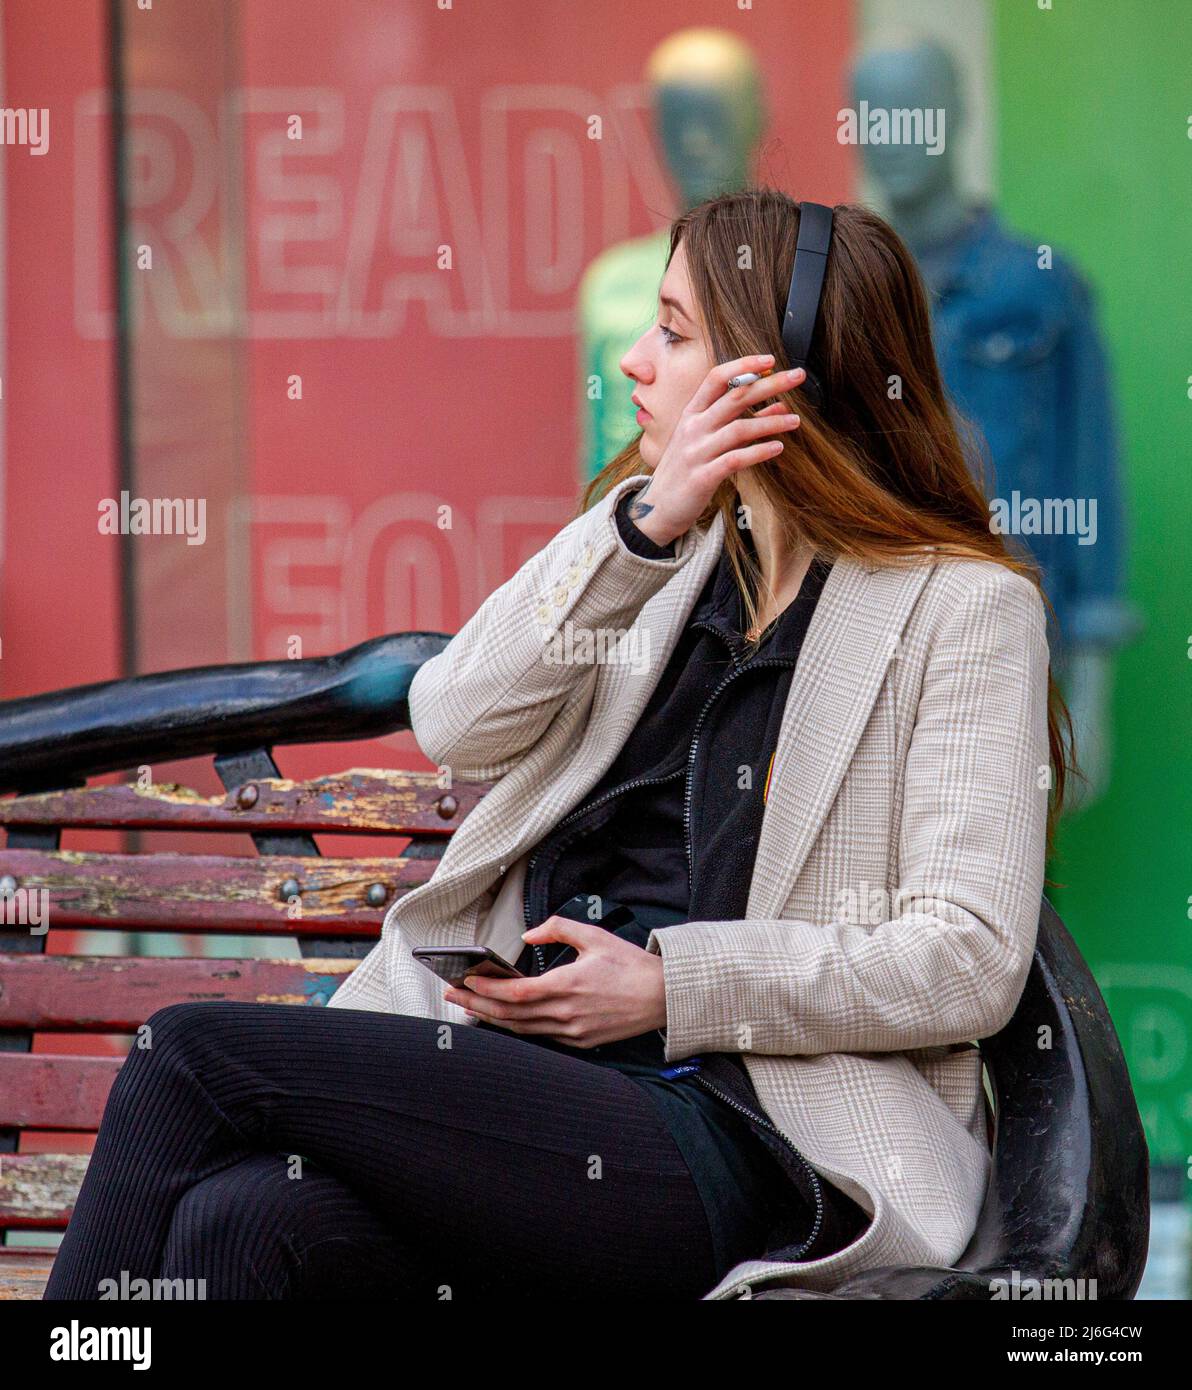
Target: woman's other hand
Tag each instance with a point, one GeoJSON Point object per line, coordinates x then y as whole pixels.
{"type": "Point", "coordinates": [713, 438]}
{"type": "Point", "coordinates": [613, 990]}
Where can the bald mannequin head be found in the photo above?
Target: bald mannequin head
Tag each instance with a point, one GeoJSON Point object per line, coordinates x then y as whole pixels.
{"type": "Point", "coordinates": [709, 109]}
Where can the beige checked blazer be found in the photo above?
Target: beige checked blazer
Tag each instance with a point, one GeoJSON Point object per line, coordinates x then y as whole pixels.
{"type": "Point", "coordinates": [896, 892]}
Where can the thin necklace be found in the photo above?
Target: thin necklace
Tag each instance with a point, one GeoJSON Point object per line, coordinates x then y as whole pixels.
{"type": "Point", "coordinates": [757, 632]}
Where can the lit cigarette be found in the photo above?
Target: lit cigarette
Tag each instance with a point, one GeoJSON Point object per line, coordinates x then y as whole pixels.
{"type": "Point", "coordinates": [747, 378]}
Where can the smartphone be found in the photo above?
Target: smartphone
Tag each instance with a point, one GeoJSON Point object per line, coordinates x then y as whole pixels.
{"type": "Point", "coordinates": [577, 909]}
{"type": "Point", "coordinates": [453, 963]}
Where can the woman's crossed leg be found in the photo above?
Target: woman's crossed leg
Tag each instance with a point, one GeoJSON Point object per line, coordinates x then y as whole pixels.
{"type": "Point", "coordinates": [457, 1160]}
{"type": "Point", "coordinates": [276, 1226]}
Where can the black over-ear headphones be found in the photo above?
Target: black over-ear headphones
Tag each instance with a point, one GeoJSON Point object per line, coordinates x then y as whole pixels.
{"type": "Point", "coordinates": [802, 302]}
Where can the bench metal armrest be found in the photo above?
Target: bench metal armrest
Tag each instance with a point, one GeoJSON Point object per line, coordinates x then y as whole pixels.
{"type": "Point", "coordinates": [63, 737]}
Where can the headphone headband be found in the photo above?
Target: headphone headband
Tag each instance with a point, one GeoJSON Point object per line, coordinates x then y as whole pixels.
{"type": "Point", "coordinates": [807, 279]}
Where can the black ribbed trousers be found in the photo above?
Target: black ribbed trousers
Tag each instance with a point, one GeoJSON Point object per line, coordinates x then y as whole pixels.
{"type": "Point", "coordinates": [284, 1151]}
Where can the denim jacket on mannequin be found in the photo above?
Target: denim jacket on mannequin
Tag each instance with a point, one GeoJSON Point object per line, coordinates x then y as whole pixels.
{"type": "Point", "coordinates": [1021, 356]}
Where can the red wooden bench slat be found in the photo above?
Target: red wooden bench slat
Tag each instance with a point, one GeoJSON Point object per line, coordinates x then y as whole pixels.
{"type": "Point", "coordinates": [204, 892]}
{"type": "Point", "coordinates": [24, 1273]}
{"type": "Point", "coordinates": [114, 994]}
{"type": "Point", "coordinates": [44, 1091]}
{"type": "Point", "coordinates": [358, 801]}
{"type": "Point", "coordinates": [39, 1190]}
{"type": "Point", "coordinates": [234, 893]}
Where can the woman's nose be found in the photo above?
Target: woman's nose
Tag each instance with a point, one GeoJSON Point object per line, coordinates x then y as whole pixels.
{"type": "Point", "coordinates": [636, 364]}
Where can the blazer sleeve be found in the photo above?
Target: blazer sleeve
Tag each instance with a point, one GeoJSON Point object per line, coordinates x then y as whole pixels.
{"type": "Point", "coordinates": [490, 695]}
{"type": "Point", "coordinates": [950, 967]}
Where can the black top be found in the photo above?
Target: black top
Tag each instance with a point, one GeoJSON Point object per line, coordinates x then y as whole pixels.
{"type": "Point", "coordinates": [678, 832]}
{"type": "Point", "coordinates": [678, 826]}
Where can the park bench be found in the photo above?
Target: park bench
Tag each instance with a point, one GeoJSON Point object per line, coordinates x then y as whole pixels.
{"type": "Point", "coordinates": [1068, 1194]}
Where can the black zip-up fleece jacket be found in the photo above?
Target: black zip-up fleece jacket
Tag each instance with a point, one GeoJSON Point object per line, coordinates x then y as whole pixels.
{"type": "Point", "coordinates": [674, 822]}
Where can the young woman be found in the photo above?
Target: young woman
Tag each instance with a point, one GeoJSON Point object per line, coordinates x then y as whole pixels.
{"type": "Point", "coordinates": [780, 695]}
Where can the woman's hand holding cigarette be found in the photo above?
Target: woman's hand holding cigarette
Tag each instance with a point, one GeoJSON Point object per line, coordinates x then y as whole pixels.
{"type": "Point", "coordinates": [711, 439]}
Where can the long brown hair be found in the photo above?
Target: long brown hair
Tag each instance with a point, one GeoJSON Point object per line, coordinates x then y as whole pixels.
{"type": "Point", "coordinates": [881, 470]}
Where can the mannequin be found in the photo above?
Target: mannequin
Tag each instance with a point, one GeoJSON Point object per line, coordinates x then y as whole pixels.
{"type": "Point", "coordinates": [709, 113]}
{"type": "Point", "coordinates": [1021, 356]}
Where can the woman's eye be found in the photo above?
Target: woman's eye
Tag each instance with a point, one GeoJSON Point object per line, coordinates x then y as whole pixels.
{"type": "Point", "coordinates": [667, 335]}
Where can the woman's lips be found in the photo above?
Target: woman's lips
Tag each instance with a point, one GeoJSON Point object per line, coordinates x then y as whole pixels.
{"type": "Point", "coordinates": [643, 417]}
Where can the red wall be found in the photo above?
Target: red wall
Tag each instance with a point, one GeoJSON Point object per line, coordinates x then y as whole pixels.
{"type": "Point", "coordinates": [421, 387]}
{"type": "Point", "coordinates": [58, 601]}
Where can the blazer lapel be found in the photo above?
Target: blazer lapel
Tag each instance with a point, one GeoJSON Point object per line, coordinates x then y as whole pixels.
{"type": "Point", "coordinates": [850, 641]}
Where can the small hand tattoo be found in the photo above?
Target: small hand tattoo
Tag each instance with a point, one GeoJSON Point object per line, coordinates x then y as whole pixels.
{"type": "Point", "coordinates": [637, 508]}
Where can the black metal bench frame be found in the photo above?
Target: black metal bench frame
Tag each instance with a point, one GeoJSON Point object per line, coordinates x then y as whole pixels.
{"type": "Point", "coordinates": [1068, 1192]}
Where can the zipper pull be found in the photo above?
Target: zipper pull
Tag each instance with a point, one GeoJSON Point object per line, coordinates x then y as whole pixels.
{"type": "Point", "coordinates": [685, 1068]}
